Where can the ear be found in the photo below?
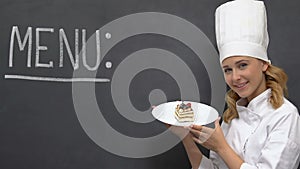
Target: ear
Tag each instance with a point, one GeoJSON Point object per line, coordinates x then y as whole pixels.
{"type": "Point", "coordinates": [265, 66]}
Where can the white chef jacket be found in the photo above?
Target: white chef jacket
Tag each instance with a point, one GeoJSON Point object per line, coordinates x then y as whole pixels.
{"type": "Point", "coordinates": [263, 137]}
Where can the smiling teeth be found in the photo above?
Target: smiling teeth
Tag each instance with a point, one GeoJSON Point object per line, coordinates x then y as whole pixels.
{"type": "Point", "coordinates": [241, 85]}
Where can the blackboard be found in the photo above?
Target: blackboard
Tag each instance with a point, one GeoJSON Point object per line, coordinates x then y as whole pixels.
{"type": "Point", "coordinates": [39, 100]}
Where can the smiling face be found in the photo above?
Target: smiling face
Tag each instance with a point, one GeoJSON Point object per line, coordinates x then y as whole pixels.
{"type": "Point", "coordinates": [245, 76]}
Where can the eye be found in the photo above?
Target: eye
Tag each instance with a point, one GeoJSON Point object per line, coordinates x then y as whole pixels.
{"type": "Point", "coordinates": [227, 70]}
{"type": "Point", "coordinates": [243, 65]}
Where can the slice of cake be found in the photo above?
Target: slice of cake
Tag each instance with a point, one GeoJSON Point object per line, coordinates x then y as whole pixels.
{"type": "Point", "coordinates": [184, 112]}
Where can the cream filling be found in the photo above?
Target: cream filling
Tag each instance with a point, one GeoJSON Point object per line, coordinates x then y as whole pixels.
{"type": "Point", "coordinates": [184, 116]}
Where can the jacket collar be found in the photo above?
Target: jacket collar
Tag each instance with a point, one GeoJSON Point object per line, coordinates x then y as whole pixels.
{"type": "Point", "coordinates": [255, 103]}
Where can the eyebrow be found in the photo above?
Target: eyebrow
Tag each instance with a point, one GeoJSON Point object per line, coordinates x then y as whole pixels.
{"type": "Point", "coordinates": [236, 63]}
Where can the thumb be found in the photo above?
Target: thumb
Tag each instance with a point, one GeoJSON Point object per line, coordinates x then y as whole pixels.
{"type": "Point", "coordinates": [217, 122]}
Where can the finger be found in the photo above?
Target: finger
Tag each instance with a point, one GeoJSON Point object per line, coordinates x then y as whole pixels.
{"type": "Point", "coordinates": [197, 127]}
{"type": "Point", "coordinates": [153, 106]}
{"type": "Point", "coordinates": [207, 130]}
{"type": "Point", "coordinates": [196, 133]}
{"type": "Point", "coordinates": [197, 140]}
{"type": "Point", "coordinates": [201, 139]}
{"type": "Point", "coordinates": [187, 127]}
{"type": "Point", "coordinates": [217, 121]}
{"type": "Point", "coordinates": [204, 137]}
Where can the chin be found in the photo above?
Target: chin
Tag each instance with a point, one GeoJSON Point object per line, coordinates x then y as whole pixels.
{"type": "Point", "coordinates": [242, 95]}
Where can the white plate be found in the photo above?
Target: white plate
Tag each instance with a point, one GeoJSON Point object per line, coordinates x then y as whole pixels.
{"type": "Point", "coordinates": [203, 113]}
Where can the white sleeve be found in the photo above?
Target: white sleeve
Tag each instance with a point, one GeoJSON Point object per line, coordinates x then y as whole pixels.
{"type": "Point", "coordinates": [282, 149]}
{"type": "Point", "coordinates": [274, 155]}
{"type": "Point", "coordinates": [277, 155]}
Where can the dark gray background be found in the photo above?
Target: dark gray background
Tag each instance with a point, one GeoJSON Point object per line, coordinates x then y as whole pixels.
{"type": "Point", "coordinates": [38, 125]}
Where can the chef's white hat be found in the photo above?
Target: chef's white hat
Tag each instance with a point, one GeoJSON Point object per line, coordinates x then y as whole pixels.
{"type": "Point", "coordinates": [241, 29]}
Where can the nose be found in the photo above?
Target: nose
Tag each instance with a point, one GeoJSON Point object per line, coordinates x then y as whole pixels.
{"type": "Point", "coordinates": [235, 75]}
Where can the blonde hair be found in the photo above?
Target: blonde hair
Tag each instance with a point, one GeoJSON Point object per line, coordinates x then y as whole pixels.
{"type": "Point", "coordinates": [276, 79]}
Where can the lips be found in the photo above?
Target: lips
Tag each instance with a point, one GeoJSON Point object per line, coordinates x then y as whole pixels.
{"type": "Point", "coordinates": [240, 85]}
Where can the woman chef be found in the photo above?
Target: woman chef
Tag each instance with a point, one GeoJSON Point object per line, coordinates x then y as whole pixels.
{"type": "Point", "coordinates": [261, 128]}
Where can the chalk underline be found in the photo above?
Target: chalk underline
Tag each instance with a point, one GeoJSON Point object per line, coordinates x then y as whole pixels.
{"type": "Point", "coordinates": [55, 79]}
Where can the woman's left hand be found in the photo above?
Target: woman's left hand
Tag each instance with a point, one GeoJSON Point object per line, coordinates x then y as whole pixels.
{"type": "Point", "coordinates": [210, 138]}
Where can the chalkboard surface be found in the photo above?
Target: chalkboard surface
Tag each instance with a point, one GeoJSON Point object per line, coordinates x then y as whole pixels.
{"type": "Point", "coordinates": [45, 76]}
